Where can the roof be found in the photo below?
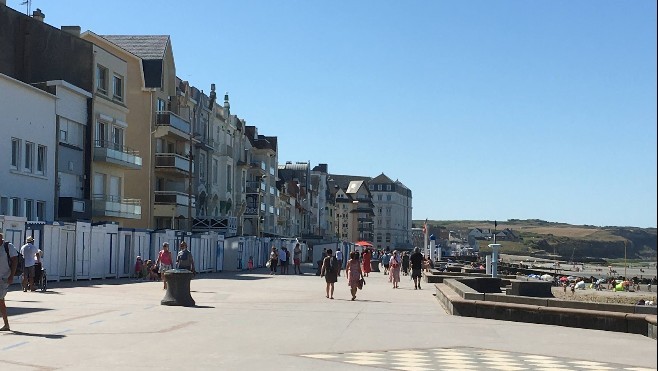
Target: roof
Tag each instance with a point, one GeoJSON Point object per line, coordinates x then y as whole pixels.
{"type": "Point", "coordinates": [144, 46]}
{"type": "Point", "coordinates": [343, 181]}
{"type": "Point", "coordinates": [381, 178]}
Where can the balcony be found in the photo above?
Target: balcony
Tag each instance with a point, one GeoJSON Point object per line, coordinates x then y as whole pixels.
{"type": "Point", "coordinates": [113, 206]}
{"type": "Point", "coordinates": [257, 167]}
{"type": "Point", "coordinates": [254, 187]}
{"type": "Point", "coordinates": [225, 150]}
{"type": "Point", "coordinates": [167, 122]}
{"type": "Point", "coordinates": [112, 153]}
{"type": "Point", "coordinates": [173, 204]}
{"type": "Point", "coordinates": [204, 142]}
{"type": "Point", "coordinates": [173, 164]}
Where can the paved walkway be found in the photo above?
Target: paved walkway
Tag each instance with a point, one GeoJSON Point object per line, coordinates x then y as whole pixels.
{"type": "Point", "coordinates": [254, 321]}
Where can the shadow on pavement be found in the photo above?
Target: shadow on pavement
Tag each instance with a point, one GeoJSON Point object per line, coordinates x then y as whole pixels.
{"type": "Point", "coordinates": [12, 311]}
{"type": "Point", "coordinates": [45, 336]}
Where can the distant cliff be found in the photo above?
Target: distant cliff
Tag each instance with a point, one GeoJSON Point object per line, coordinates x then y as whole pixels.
{"type": "Point", "coordinates": [539, 237]}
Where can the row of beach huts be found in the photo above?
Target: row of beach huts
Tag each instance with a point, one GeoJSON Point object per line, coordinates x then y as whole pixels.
{"type": "Point", "coordinates": [84, 251]}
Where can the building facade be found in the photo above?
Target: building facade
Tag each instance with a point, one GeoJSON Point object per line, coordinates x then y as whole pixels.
{"type": "Point", "coordinates": [112, 158]}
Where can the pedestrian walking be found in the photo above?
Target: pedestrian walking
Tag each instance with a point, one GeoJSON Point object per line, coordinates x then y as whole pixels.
{"type": "Point", "coordinates": [386, 260]}
{"type": "Point", "coordinates": [367, 254]}
{"type": "Point", "coordinates": [339, 259]}
{"type": "Point", "coordinates": [354, 273]}
{"type": "Point", "coordinates": [274, 260]}
{"type": "Point", "coordinates": [416, 260]}
{"type": "Point", "coordinates": [405, 263]}
{"type": "Point", "coordinates": [30, 258]}
{"type": "Point", "coordinates": [283, 260]}
{"type": "Point", "coordinates": [297, 258]}
{"type": "Point", "coordinates": [329, 272]}
{"type": "Point", "coordinates": [7, 272]}
{"type": "Point", "coordinates": [184, 259]}
{"type": "Point", "coordinates": [394, 269]}
{"type": "Point", "coordinates": [164, 262]}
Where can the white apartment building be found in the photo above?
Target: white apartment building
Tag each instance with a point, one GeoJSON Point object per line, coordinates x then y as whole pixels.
{"type": "Point", "coordinates": [28, 147]}
{"type": "Point", "coordinates": [392, 202]}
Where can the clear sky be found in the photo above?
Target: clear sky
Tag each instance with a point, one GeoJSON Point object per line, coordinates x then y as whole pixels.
{"type": "Point", "coordinates": [484, 109]}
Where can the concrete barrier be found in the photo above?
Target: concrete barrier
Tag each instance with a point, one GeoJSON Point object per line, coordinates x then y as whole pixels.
{"type": "Point", "coordinates": [460, 299]}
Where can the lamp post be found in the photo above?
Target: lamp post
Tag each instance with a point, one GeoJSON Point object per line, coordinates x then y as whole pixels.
{"type": "Point", "coordinates": [356, 209]}
{"type": "Point", "coordinates": [625, 264]}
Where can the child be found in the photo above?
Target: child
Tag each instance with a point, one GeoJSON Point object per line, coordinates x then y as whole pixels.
{"type": "Point", "coordinates": [250, 263]}
{"type": "Point", "coordinates": [138, 267]}
{"type": "Point", "coordinates": [153, 271]}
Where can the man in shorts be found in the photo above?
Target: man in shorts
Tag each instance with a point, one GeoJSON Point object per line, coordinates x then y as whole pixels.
{"type": "Point", "coordinates": [8, 263]}
{"type": "Point", "coordinates": [31, 257]}
{"type": "Point", "coordinates": [416, 260]}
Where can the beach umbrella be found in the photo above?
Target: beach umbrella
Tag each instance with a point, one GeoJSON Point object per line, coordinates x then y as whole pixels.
{"type": "Point", "coordinates": [564, 278]}
{"type": "Point", "coordinates": [547, 277]}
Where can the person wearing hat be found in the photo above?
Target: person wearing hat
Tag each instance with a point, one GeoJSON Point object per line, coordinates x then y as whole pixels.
{"type": "Point", "coordinates": [30, 257]}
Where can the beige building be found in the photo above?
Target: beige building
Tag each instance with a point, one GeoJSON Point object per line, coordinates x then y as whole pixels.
{"type": "Point", "coordinates": [112, 158]}
{"type": "Point", "coordinates": [157, 130]}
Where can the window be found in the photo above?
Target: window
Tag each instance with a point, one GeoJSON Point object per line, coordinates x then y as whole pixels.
{"type": "Point", "coordinates": [215, 171]}
{"type": "Point", "coordinates": [15, 152]}
{"type": "Point", "coordinates": [162, 105]}
{"type": "Point", "coordinates": [117, 138]}
{"type": "Point", "coordinates": [41, 210]}
{"type": "Point", "coordinates": [388, 187]}
{"type": "Point", "coordinates": [117, 88]}
{"type": "Point", "coordinates": [28, 162]}
{"type": "Point", "coordinates": [379, 197]}
{"type": "Point", "coordinates": [101, 79]}
{"type": "Point", "coordinates": [4, 205]}
{"type": "Point", "coordinates": [15, 207]}
{"type": "Point", "coordinates": [202, 167]}
{"type": "Point", "coordinates": [388, 197]}
{"type": "Point", "coordinates": [41, 160]}
{"type": "Point", "coordinates": [101, 134]}
{"type": "Point", "coordinates": [71, 132]}
{"type": "Point", "coordinates": [29, 209]}
{"type": "Point", "coordinates": [229, 180]}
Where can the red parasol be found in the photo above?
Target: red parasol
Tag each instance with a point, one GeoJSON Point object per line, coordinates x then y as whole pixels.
{"type": "Point", "coordinates": [363, 243]}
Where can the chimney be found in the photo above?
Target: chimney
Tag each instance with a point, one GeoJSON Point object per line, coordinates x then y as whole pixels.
{"type": "Point", "coordinates": [38, 15]}
{"type": "Point", "coordinates": [73, 30]}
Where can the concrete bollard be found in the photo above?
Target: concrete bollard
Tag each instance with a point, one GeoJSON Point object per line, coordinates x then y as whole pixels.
{"type": "Point", "coordinates": [178, 288]}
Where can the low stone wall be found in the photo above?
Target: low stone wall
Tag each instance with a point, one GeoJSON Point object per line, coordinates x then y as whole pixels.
{"type": "Point", "coordinates": [460, 299]}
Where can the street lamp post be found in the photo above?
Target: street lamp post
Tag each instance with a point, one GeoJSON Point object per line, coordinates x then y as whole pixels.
{"type": "Point", "coordinates": [356, 205]}
{"type": "Point", "coordinates": [625, 264]}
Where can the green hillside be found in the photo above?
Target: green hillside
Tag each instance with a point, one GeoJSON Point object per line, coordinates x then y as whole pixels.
{"type": "Point", "coordinates": [539, 237]}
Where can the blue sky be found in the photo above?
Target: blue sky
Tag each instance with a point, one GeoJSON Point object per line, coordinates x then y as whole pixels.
{"type": "Point", "coordinates": [484, 109]}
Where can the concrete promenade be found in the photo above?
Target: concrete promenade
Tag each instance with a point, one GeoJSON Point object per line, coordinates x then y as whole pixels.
{"type": "Point", "coordinates": [254, 321]}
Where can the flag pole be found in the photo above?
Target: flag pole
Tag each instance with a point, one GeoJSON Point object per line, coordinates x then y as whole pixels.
{"type": "Point", "coordinates": [425, 233]}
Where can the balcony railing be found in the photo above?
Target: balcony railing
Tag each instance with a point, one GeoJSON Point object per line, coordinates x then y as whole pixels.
{"type": "Point", "coordinates": [167, 118]}
{"type": "Point", "coordinates": [254, 187]}
{"type": "Point", "coordinates": [116, 154]}
{"type": "Point", "coordinates": [173, 198]}
{"type": "Point", "coordinates": [108, 205]}
{"type": "Point", "coordinates": [173, 162]}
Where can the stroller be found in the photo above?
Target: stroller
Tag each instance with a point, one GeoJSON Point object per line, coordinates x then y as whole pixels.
{"type": "Point", "coordinates": [40, 280]}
